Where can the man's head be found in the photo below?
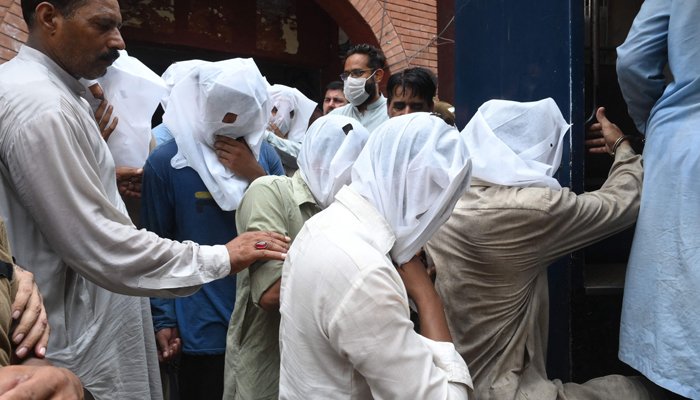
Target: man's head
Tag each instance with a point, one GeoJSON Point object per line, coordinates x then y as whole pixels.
{"type": "Point", "coordinates": [410, 90]}
{"type": "Point", "coordinates": [363, 70]}
{"type": "Point", "coordinates": [81, 36]}
{"type": "Point", "coordinates": [334, 97]}
{"type": "Point", "coordinates": [329, 150]}
{"type": "Point", "coordinates": [412, 170]}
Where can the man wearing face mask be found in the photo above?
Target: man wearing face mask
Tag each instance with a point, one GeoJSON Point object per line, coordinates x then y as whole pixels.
{"type": "Point", "coordinates": [191, 188]}
{"type": "Point", "coordinates": [363, 71]}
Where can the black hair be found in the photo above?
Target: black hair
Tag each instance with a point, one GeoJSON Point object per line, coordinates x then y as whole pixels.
{"type": "Point", "coordinates": [376, 57]}
{"type": "Point", "coordinates": [335, 85]}
{"type": "Point", "coordinates": [65, 7]}
{"type": "Point", "coordinates": [420, 81]}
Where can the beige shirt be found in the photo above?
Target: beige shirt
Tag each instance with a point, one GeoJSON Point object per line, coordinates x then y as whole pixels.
{"type": "Point", "coordinates": [276, 204]}
{"type": "Point", "coordinates": [491, 258]}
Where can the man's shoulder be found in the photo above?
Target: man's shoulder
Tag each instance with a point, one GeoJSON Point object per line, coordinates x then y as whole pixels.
{"type": "Point", "coordinates": [162, 154]}
{"type": "Point", "coordinates": [271, 186]}
{"type": "Point", "coordinates": [504, 198]}
{"type": "Point", "coordinates": [26, 90]}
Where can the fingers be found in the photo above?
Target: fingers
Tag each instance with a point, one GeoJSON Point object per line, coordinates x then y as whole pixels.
{"type": "Point", "coordinates": [37, 338]}
{"type": "Point", "coordinates": [162, 344]}
{"type": "Point", "coordinates": [279, 236]}
{"type": "Point", "coordinates": [269, 254]}
{"type": "Point", "coordinates": [600, 115]}
{"type": "Point", "coordinates": [32, 328]}
{"type": "Point", "coordinates": [25, 287]}
{"type": "Point", "coordinates": [103, 116]}
{"type": "Point", "coordinates": [99, 113]}
{"type": "Point", "coordinates": [107, 132]}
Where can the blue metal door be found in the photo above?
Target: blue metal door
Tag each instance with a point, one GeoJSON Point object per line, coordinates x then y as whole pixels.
{"type": "Point", "coordinates": [524, 51]}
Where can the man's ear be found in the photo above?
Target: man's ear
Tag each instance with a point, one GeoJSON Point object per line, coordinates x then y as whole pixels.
{"type": "Point", "coordinates": [46, 17]}
{"type": "Point", "coordinates": [379, 75]}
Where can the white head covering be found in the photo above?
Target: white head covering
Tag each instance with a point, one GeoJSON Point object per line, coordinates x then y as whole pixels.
{"type": "Point", "coordinates": [517, 144]}
{"type": "Point", "coordinates": [413, 169]}
{"type": "Point", "coordinates": [174, 73]}
{"type": "Point", "coordinates": [134, 91]}
{"type": "Point", "coordinates": [287, 99]}
{"type": "Point", "coordinates": [327, 154]}
{"type": "Point", "coordinates": [197, 105]}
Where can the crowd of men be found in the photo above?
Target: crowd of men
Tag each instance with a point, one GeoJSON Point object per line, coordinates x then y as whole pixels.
{"type": "Point", "coordinates": [286, 245]}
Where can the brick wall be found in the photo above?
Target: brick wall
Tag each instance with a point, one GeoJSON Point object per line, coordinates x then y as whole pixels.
{"type": "Point", "coordinates": [13, 30]}
{"type": "Point", "coordinates": [407, 38]}
{"type": "Point", "coordinates": [409, 30]}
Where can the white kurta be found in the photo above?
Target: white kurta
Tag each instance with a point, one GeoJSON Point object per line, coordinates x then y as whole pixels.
{"type": "Point", "coordinates": [373, 116]}
{"type": "Point", "coordinates": [345, 331]}
{"type": "Point", "coordinates": [660, 326]}
{"type": "Point", "coordinates": [68, 225]}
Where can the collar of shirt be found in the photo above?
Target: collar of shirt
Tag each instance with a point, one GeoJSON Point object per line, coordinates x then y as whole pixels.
{"type": "Point", "coordinates": [378, 231]}
{"type": "Point", "coordinates": [301, 191]}
{"type": "Point", "coordinates": [33, 55]}
{"type": "Point", "coordinates": [381, 101]}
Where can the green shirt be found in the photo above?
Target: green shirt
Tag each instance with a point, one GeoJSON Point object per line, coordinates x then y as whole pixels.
{"type": "Point", "coordinates": [271, 203]}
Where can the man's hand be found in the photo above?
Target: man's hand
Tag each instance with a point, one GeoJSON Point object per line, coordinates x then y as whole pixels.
{"type": "Point", "coordinates": [419, 287]}
{"type": "Point", "coordinates": [169, 343]}
{"type": "Point", "coordinates": [38, 382]}
{"type": "Point", "coordinates": [103, 115]}
{"type": "Point", "coordinates": [249, 247]}
{"type": "Point", "coordinates": [237, 156]}
{"type": "Point", "coordinates": [274, 129]}
{"type": "Point", "coordinates": [32, 330]}
{"type": "Point", "coordinates": [602, 135]}
{"type": "Point", "coordinates": [129, 181]}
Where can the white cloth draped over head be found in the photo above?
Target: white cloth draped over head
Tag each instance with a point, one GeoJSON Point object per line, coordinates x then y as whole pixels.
{"type": "Point", "coordinates": [517, 144]}
{"type": "Point", "coordinates": [134, 91]}
{"type": "Point", "coordinates": [328, 153]}
{"type": "Point", "coordinates": [286, 99]}
{"type": "Point", "coordinates": [196, 110]}
{"type": "Point", "coordinates": [174, 73]}
{"type": "Point", "coordinates": [413, 170]}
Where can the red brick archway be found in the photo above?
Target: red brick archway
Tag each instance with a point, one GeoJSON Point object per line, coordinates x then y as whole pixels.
{"type": "Point", "coordinates": [405, 30]}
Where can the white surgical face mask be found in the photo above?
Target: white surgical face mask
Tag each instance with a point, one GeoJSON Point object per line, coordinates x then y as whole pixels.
{"type": "Point", "coordinates": [354, 90]}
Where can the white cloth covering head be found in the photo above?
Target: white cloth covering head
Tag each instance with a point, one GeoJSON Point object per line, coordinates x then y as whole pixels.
{"type": "Point", "coordinates": [175, 72]}
{"type": "Point", "coordinates": [413, 169]}
{"type": "Point", "coordinates": [327, 154]}
{"type": "Point", "coordinates": [196, 110]}
{"type": "Point", "coordinates": [517, 144]}
{"type": "Point", "coordinates": [287, 99]}
{"type": "Point", "coordinates": [134, 91]}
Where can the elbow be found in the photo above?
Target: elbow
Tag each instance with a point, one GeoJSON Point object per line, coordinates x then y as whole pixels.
{"type": "Point", "coordinates": [269, 305]}
{"type": "Point", "coordinates": [270, 301]}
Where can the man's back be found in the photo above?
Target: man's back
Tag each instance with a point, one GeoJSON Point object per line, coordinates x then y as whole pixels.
{"type": "Point", "coordinates": [492, 257]}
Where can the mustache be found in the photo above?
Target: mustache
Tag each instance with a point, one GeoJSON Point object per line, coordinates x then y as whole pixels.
{"type": "Point", "coordinates": [110, 56]}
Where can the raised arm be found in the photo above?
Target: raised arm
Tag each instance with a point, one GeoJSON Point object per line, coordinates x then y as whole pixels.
{"type": "Point", "coordinates": [641, 60]}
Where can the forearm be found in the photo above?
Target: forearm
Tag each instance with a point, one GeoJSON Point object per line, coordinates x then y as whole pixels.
{"type": "Point", "coordinates": [431, 314]}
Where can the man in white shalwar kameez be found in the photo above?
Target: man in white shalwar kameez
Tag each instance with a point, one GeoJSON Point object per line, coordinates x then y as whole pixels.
{"type": "Point", "coordinates": [345, 331]}
{"type": "Point", "coordinates": [66, 218]}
